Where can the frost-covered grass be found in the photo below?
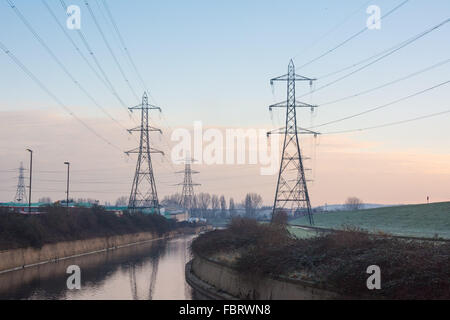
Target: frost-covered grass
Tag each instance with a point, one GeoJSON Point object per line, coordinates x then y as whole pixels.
{"type": "Point", "coordinates": [423, 220]}
{"type": "Point", "coordinates": [337, 261]}
{"type": "Point", "coordinates": [302, 233]}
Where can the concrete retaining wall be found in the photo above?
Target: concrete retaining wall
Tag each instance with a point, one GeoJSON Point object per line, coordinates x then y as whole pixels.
{"type": "Point", "coordinates": [225, 278]}
{"type": "Point", "coordinates": [25, 257]}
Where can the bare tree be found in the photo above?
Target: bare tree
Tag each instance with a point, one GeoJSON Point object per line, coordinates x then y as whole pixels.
{"type": "Point", "coordinates": [232, 207]}
{"type": "Point", "coordinates": [172, 200]}
{"type": "Point", "coordinates": [88, 200]}
{"type": "Point", "coordinates": [215, 203]}
{"type": "Point", "coordinates": [122, 201]}
{"type": "Point", "coordinates": [195, 206]}
{"type": "Point", "coordinates": [252, 202]}
{"type": "Point", "coordinates": [204, 200]}
{"type": "Point", "coordinates": [223, 206]}
{"type": "Point", "coordinates": [45, 200]}
{"type": "Point", "coordinates": [353, 203]}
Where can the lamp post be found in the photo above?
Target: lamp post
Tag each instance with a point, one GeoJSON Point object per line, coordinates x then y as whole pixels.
{"type": "Point", "coordinates": [31, 173]}
{"type": "Point", "coordinates": [67, 190]}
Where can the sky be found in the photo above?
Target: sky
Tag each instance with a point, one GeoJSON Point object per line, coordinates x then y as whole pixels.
{"type": "Point", "coordinates": [212, 62]}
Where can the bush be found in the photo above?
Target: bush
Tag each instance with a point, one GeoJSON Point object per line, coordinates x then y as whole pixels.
{"type": "Point", "coordinates": [18, 230]}
{"type": "Point", "coordinates": [242, 233]}
{"type": "Point", "coordinates": [338, 260]}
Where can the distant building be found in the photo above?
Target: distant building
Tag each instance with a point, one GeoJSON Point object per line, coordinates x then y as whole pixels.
{"type": "Point", "coordinates": [175, 213]}
{"type": "Point", "coordinates": [39, 207]}
{"type": "Point", "coordinates": [35, 208]}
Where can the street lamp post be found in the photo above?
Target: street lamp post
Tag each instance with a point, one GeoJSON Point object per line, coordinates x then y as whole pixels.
{"type": "Point", "coordinates": [31, 173]}
{"type": "Point", "coordinates": [67, 190]}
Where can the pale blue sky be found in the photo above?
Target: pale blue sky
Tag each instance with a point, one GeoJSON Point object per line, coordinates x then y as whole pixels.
{"type": "Point", "coordinates": [212, 61]}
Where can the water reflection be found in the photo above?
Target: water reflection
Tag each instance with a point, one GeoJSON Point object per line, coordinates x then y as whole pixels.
{"type": "Point", "coordinates": [154, 270]}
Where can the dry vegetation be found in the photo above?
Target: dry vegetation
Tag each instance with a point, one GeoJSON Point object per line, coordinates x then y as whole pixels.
{"type": "Point", "coordinates": [409, 269]}
{"type": "Point", "coordinates": [18, 230]}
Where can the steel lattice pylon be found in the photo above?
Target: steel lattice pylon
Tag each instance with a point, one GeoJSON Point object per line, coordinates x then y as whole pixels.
{"type": "Point", "coordinates": [187, 194]}
{"type": "Point", "coordinates": [292, 192]}
{"type": "Point", "coordinates": [143, 191]}
{"type": "Point", "coordinates": [21, 194]}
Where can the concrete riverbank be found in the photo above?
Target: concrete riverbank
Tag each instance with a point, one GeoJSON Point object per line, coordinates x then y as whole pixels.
{"type": "Point", "coordinates": [216, 280]}
{"type": "Point", "coordinates": [16, 259]}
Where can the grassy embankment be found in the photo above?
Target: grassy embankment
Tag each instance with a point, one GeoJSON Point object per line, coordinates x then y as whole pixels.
{"type": "Point", "coordinates": [424, 220]}
{"type": "Point", "coordinates": [337, 261]}
{"type": "Point", "coordinates": [19, 231]}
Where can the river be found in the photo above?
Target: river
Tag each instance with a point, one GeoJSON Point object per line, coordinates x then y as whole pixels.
{"type": "Point", "coordinates": [154, 270]}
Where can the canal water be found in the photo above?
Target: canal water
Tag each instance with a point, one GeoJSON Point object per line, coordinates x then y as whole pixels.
{"type": "Point", "coordinates": [154, 270]}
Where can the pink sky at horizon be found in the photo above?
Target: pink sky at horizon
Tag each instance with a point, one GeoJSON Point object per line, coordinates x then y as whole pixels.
{"type": "Point", "coordinates": [344, 165]}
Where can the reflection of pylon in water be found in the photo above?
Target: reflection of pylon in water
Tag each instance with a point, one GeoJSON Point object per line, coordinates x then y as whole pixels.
{"type": "Point", "coordinates": [188, 292]}
{"type": "Point", "coordinates": [292, 192]}
{"type": "Point", "coordinates": [133, 285]}
{"type": "Point", "coordinates": [155, 265]}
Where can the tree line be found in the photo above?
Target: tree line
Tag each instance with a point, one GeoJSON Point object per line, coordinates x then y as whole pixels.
{"type": "Point", "coordinates": [208, 205]}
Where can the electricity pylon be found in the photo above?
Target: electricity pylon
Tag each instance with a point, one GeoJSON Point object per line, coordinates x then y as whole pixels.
{"type": "Point", "coordinates": [21, 194]}
{"type": "Point", "coordinates": [291, 194]}
{"type": "Point", "coordinates": [187, 194]}
{"type": "Point", "coordinates": [143, 191]}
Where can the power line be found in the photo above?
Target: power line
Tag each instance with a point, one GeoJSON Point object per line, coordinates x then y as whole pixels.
{"type": "Point", "coordinates": [363, 60]}
{"type": "Point", "coordinates": [350, 38]}
{"type": "Point", "coordinates": [99, 77]}
{"type": "Point", "coordinates": [408, 42]}
{"type": "Point", "coordinates": [58, 61]}
{"type": "Point", "coordinates": [387, 84]}
{"type": "Point", "coordinates": [390, 123]}
{"type": "Point", "coordinates": [384, 105]}
{"type": "Point", "coordinates": [94, 57]}
{"type": "Point", "coordinates": [59, 102]}
{"type": "Point", "coordinates": [333, 28]}
{"type": "Point", "coordinates": [125, 48]}
{"type": "Point", "coordinates": [136, 70]}
{"type": "Point", "coordinates": [110, 49]}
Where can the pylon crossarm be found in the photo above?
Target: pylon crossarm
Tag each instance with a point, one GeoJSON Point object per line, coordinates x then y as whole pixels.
{"type": "Point", "coordinates": [134, 129]}
{"type": "Point", "coordinates": [297, 167]}
{"type": "Point", "coordinates": [137, 150]}
{"type": "Point", "coordinates": [153, 129]}
{"type": "Point", "coordinates": [298, 104]}
{"type": "Point", "coordinates": [307, 131]}
{"type": "Point", "coordinates": [141, 106]}
{"type": "Point", "coordinates": [276, 131]}
{"type": "Point", "coordinates": [153, 150]}
{"type": "Point", "coordinates": [152, 107]}
{"type": "Point", "coordinates": [191, 184]}
{"type": "Point", "coordinates": [192, 171]}
{"type": "Point", "coordinates": [278, 105]}
{"type": "Point", "coordinates": [296, 77]}
{"type": "Point", "coordinates": [150, 129]}
{"type": "Point", "coordinates": [280, 78]}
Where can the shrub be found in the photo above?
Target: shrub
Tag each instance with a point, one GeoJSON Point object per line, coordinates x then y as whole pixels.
{"type": "Point", "coordinates": [337, 260]}
{"type": "Point", "coordinates": [18, 230]}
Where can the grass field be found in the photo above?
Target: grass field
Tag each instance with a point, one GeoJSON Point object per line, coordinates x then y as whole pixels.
{"type": "Point", "coordinates": [302, 233]}
{"type": "Point", "coordinates": [423, 220]}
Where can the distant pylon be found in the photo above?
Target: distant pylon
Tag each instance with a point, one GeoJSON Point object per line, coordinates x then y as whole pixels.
{"type": "Point", "coordinates": [292, 192]}
{"type": "Point", "coordinates": [143, 191]}
{"type": "Point", "coordinates": [187, 194]}
{"type": "Point", "coordinates": [21, 193]}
